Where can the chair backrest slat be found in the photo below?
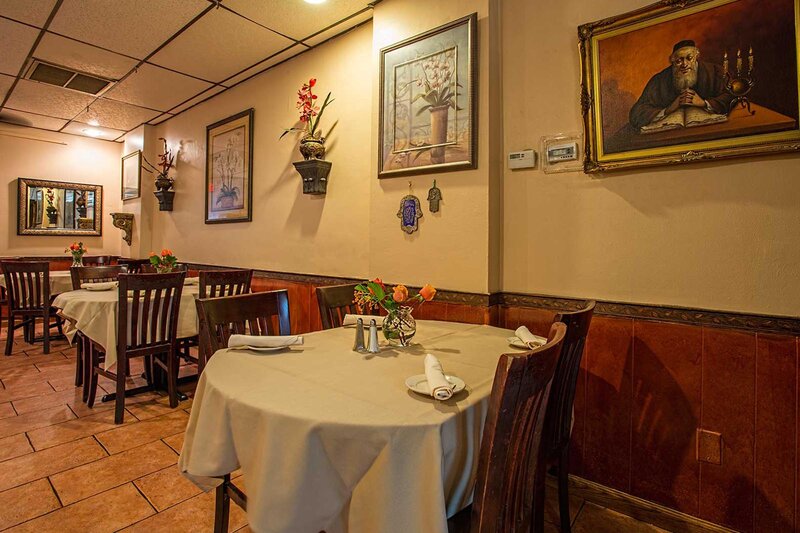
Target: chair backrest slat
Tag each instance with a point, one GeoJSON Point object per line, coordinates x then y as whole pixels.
{"type": "Point", "coordinates": [509, 491]}
{"type": "Point", "coordinates": [335, 302]}
{"type": "Point", "coordinates": [134, 265]}
{"type": "Point", "coordinates": [217, 283]}
{"type": "Point", "coordinates": [97, 260]}
{"type": "Point", "coordinates": [28, 284]}
{"type": "Point", "coordinates": [148, 311]}
{"type": "Point", "coordinates": [93, 274]}
{"type": "Point", "coordinates": [242, 314]}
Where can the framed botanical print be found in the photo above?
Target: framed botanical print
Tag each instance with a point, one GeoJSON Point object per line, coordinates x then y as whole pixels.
{"type": "Point", "coordinates": [428, 107]}
{"type": "Point", "coordinates": [229, 169]}
{"type": "Point", "coordinates": [694, 80]}
{"type": "Point", "coordinates": [132, 175]}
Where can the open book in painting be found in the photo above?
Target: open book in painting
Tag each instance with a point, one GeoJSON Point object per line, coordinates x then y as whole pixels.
{"type": "Point", "coordinates": [685, 117]}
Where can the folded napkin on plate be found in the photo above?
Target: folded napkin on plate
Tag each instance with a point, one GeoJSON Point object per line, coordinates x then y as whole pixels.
{"type": "Point", "coordinates": [264, 341]}
{"type": "Point", "coordinates": [191, 281]}
{"type": "Point", "coordinates": [441, 389]}
{"type": "Point", "coordinates": [352, 320]}
{"type": "Point", "coordinates": [525, 335]}
{"type": "Point", "coordinates": [99, 285]}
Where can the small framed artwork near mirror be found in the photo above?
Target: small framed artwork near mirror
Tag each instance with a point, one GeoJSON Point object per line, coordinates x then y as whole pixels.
{"type": "Point", "coordinates": [132, 175]}
{"type": "Point", "coordinates": [57, 208]}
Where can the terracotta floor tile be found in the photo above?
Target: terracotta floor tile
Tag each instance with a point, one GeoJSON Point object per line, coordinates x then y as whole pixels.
{"type": "Point", "coordinates": [14, 446]}
{"type": "Point", "coordinates": [22, 359]}
{"type": "Point", "coordinates": [63, 383]}
{"type": "Point", "coordinates": [12, 393]}
{"type": "Point", "coordinates": [156, 407]}
{"type": "Point", "coordinates": [37, 465]}
{"type": "Point", "coordinates": [51, 399]}
{"type": "Point", "coordinates": [167, 487]}
{"type": "Point", "coordinates": [595, 519]}
{"type": "Point", "coordinates": [36, 376]}
{"type": "Point", "coordinates": [191, 516]}
{"type": "Point", "coordinates": [6, 410]}
{"type": "Point", "coordinates": [90, 479]}
{"type": "Point", "coordinates": [152, 429]}
{"type": "Point", "coordinates": [175, 441]}
{"type": "Point", "coordinates": [74, 429]}
{"type": "Point", "coordinates": [32, 421]}
{"type": "Point", "coordinates": [94, 515]}
{"type": "Point", "coordinates": [26, 502]}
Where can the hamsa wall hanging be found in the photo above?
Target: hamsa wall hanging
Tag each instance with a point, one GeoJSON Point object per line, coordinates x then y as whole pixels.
{"type": "Point", "coordinates": [409, 213]}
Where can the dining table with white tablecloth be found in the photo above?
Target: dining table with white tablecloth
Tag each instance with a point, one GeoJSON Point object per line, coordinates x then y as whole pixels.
{"type": "Point", "coordinates": [331, 439]}
{"type": "Point", "coordinates": [94, 313]}
{"type": "Point", "coordinates": [60, 281]}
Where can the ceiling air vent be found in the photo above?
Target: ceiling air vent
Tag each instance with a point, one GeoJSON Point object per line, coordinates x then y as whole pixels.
{"type": "Point", "coordinates": [64, 77]}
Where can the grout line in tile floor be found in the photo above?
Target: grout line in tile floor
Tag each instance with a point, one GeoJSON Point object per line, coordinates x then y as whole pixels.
{"type": "Point", "coordinates": [55, 492]}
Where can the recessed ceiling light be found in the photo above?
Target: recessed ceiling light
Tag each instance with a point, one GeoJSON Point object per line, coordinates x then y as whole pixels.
{"type": "Point", "coordinates": [93, 122]}
{"type": "Point", "coordinates": [91, 132]}
{"type": "Point", "coordinates": [315, 1]}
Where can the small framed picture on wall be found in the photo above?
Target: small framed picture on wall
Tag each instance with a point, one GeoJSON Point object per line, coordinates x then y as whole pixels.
{"type": "Point", "coordinates": [229, 169]}
{"type": "Point", "coordinates": [132, 175]}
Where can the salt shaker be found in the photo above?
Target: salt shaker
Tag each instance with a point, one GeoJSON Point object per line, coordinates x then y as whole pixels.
{"type": "Point", "coordinates": [373, 337]}
{"type": "Point", "coordinates": [358, 345]}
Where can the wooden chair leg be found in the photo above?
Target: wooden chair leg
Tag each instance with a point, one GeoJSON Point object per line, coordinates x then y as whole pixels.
{"type": "Point", "coordinates": [79, 362]}
{"type": "Point", "coordinates": [10, 331]}
{"type": "Point", "coordinates": [172, 378]}
{"type": "Point", "coordinates": [222, 506]}
{"type": "Point", "coordinates": [91, 382]}
{"type": "Point", "coordinates": [45, 332]}
{"type": "Point", "coordinates": [119, 404]}
{"type": "Point", "coordinates": [563, 490]}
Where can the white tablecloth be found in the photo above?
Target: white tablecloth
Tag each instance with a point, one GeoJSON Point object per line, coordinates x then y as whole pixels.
{"type": "Point", "coordinates": [331, 439]}
{"type": "Point", "coordinates": [95, 314]}
{"type": "Point", "coordinates": [60, 281]}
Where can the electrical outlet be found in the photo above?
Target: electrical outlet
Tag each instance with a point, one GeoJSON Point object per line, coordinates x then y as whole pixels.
{"type": "Point", "coordinates": [709, 447]}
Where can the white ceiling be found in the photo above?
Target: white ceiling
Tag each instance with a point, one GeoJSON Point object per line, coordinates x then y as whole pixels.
{"type": "Point", "coordinates": [163, 55]}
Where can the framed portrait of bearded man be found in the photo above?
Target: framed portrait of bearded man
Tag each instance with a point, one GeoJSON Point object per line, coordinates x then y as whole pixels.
{"type": "Point", "coordinates": [691, 80]}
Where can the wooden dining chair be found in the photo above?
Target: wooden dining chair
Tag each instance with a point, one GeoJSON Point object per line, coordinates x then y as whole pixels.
{"type": "Point", "coordinates": [146, 327]}
{"type": "Point", "coordinates": [509, 487]}
{"type": "Point", "coordinates": [335, 302]}
{"type": "Point", "coordinates": [216, 283]}
{"type": "Point", "coordinates": [28, 286]}
{"type": "Point", "coordinates": [97, 260]}
{"type": "Point", "coordinates": [134, 265]}
{"type": "Point", "coordinates": [89, 274]}
{"type": "Point", "coordinates": [558, 420]}
{"type": "Point", "coordinates": [261, 313]}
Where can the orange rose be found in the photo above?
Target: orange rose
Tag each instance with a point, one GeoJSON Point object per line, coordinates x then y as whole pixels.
{"type": "Point", "coordinates": [427, 292]}
{"type": "Point", "coordinates": [400, 293]}
{"type": "Point", "coordinates": [165, 252]}
{"type": "Point", "coordinates": [379, 282]}
{"type": "Point", "coordinates": [152, 254]}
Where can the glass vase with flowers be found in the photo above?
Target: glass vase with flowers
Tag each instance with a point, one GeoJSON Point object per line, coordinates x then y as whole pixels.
{"type": "Point", "coordinates": [165, 262]}
{"type": "Point", "coordinates": [399, 327]}
{"type": "Point", "coordinates": [78, 251]}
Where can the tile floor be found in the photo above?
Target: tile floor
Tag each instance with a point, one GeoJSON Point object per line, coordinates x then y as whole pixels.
{"type": "Point", "coordinates": [65, 467]}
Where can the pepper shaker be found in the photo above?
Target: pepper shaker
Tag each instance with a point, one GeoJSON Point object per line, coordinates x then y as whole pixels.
{"type": "Point", "coordinates": [358, 345]}
{"type": "Point", "coordinates": [373, 337]}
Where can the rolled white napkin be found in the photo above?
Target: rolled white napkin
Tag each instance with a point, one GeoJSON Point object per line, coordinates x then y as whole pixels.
{"type": "Point", "coordinates": [352, 320]}
{"type": "Point", "coordinates": [525, 335]}
{"type": "Point", "coordinates": [99, 285]}
{"type": "Point", "coordinates": [441, 389]}
{"type": "Point", "coordinates": [191, 281]}
{"type": "Point", "coordinates": [264, 341]}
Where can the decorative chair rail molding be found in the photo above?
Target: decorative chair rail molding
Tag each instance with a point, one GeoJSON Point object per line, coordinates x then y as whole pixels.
{"type": "Point", "coordinates": [124, 221]}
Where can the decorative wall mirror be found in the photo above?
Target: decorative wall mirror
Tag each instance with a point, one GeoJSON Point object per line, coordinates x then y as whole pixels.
{"type": "Point", "coordinates": [58, 208]}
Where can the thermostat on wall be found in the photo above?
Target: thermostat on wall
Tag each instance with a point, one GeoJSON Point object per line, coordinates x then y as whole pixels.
{"type": "Point", "coordinates": [522, 159]}
{"type": "Point", "coordinates": [561, 153]}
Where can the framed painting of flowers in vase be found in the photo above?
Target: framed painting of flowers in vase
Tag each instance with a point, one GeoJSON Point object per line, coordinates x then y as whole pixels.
{"type": "Point", "coordinates": [428, 105]}
{"type": "Point", "coordinates": [229, 169]}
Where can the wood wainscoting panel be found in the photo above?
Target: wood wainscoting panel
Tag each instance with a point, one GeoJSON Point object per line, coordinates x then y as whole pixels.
{"type": "Point", "coordinates": [607, 414]}
{"type": "Point", "coordinates": [729, 376]}
{"type": "Point", "coordinates": [666, 414]}
{"type": "Point", "coordinates": [776, 433]}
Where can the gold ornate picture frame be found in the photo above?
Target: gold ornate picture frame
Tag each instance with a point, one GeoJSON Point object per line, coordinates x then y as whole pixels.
{"type": "Point", "coordinates": [690, 80]}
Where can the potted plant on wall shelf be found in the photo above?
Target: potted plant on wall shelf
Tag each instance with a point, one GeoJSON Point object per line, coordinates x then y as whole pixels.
{"type": "Point", "coordinates": [313, 169]}
{"type": "Point", "coordinates": [52, 210]}
{"type": "Point", "coordinates": [163, 182]}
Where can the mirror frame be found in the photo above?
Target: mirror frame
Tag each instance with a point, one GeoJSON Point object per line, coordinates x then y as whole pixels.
{"type": "Point", "coordinates": [22, 207]}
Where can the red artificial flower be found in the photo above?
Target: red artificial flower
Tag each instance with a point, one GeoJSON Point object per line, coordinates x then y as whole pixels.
{"type": "Point", "coordinates": [312, 82]}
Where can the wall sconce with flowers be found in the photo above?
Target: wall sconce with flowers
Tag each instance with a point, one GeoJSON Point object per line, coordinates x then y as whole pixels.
{"type": "Point", "coordinates": [163, 182]}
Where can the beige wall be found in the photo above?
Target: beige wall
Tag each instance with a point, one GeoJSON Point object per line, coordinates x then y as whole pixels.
{"type": "Point", "coordinates": [79, 160]}
{"type": "Point", "coordinates": [719, 235]}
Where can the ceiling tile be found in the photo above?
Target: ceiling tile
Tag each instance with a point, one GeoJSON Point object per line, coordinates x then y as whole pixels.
{"type": "Point", "coordinates": [83, 57]}
{"type": "Point", "coordinates": [199, 98]}
{"type": "Point", "coordinates": [47, 99]}
{"type": "Point", "coordinates": [131, 27]}
{"type": "Point", "coordinates": [31, 11]}
{"type": "Point", "coordinates": [294, 18]}
{"type": "Point", "coordinates": [156, 88]}
{"type": "Point", "coordinates": [116, 115]}
{"type": "Point", "coordinates": [16, 41]}
{"type": "Point", "coordinates": [339, 28]}
{"type": "Point", "coordinates": [79, 128]}
{"type": "Point", "coordinates": [160, 118]}
{"type": "Point", "coordinates": [5, 85]}
{"type": "Point", "coordinates": [219, 45]}
{"type": "Point", "coordinates": [29, 119]}
{"type": "Point", "coordinates": [255, 69]}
